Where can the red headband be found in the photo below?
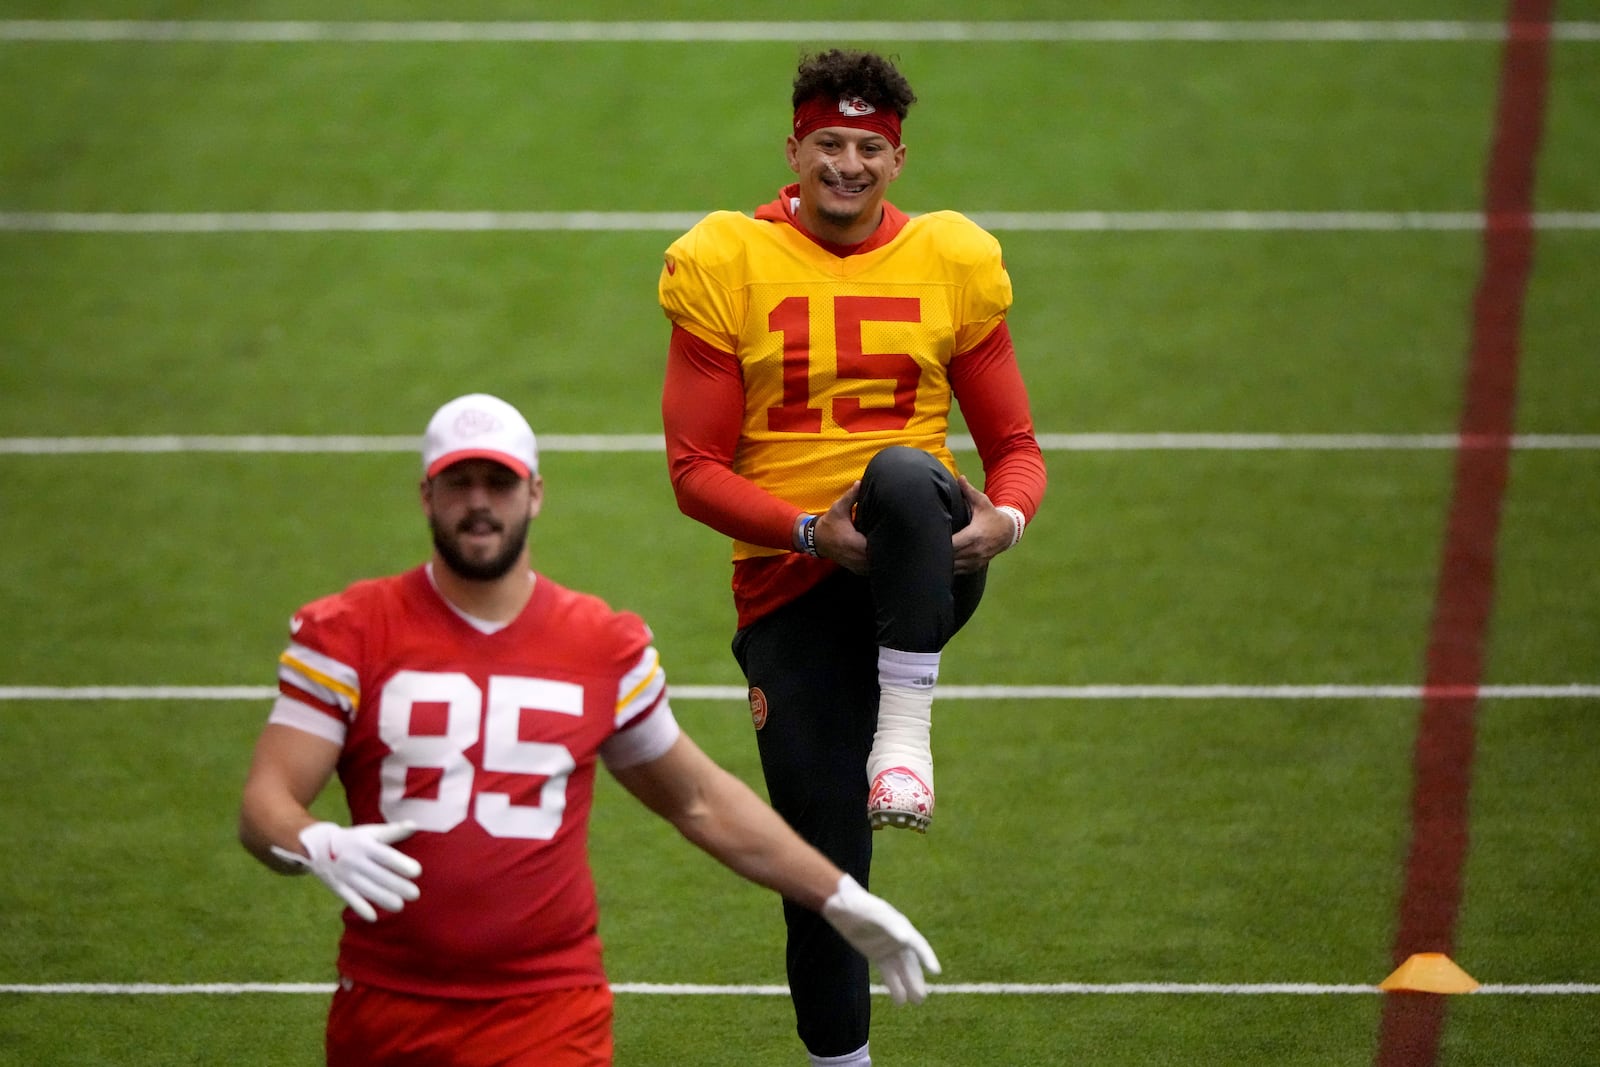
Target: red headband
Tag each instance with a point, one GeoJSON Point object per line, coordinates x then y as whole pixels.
{"type": "Point", "coordinates": [850, 111]}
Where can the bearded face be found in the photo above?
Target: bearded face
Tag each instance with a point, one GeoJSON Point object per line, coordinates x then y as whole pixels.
{"type": "Point", "coordinates": [480, 547]}
{"type": "Point", "coordinates": [479, 511]}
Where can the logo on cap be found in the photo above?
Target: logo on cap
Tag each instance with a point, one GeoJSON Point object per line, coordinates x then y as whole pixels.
{"type": "Point", "coordinates": [475, 421]}
{"type": "Point", "coordinates": [855, 107]}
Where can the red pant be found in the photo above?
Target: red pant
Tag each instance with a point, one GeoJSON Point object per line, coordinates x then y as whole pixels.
{"type": "Point", "coordinates": [372, 1027]}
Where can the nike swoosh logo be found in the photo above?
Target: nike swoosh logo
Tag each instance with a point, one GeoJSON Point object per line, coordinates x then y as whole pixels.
{"type": "Point", "coordinates": [294, 625]}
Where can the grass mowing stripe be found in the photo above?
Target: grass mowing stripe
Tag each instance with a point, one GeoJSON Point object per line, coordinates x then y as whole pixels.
{"type": "Point", "coordinates": [1430, 902]}
{"type": "Point", "coordinates": [1064, 442]}
{"type": "Point", "coordinates": [733, 32]}
{"type": "Point", "coordinates": [689, 989]}
{"type": "Point", "coordinates": [161, 222]}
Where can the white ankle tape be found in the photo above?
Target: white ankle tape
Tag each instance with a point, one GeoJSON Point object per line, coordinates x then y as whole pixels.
{"type": "Point", "coordinates": [904, 737]}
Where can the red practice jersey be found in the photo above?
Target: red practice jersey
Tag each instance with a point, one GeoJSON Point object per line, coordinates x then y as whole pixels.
{"type": "Point", "coordinates": [487, 739]}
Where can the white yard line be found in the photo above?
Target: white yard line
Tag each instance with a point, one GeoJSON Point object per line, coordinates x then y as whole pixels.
{"type": "Point", "coordinates": [343, 221]}
{"type": "Point", "coordinates": [436, 32]}
{"type": "Point", "coordinates": [943, 988]}
{"type": "Point", "coordinates": [1558, 691]}
{"type": "Point", "coordinates": [644, 442]}
{"type": "Point", "coordinates": [164, 222]}
{"type": "Point", "coordinates": [66, 446]}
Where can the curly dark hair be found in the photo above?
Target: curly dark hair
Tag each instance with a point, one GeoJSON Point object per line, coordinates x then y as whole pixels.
{"type": "Point", "coordinates": [839, 73]}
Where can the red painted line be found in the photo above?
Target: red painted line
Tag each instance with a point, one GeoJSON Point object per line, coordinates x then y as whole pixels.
{"type": "Point", "coordinates": [1413, 1023]}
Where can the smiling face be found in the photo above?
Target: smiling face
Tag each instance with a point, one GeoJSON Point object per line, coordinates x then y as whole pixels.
{"type": "Point", "coordinates": [844, 174]}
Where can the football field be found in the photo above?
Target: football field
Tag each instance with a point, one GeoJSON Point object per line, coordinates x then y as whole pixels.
{"type": "Point", "coordinates": [1296, 673]}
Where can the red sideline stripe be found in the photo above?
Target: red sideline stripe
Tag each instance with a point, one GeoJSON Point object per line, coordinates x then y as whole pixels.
{"type": "Point", "coordinates": [1412, 1023]}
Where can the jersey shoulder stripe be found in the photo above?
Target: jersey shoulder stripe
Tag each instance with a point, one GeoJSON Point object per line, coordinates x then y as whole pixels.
{"type": "Point", "coordinates": [321, 677]}
{"type": "Point", "coordinates": [641, 688]}
{"type": "Point", "coordinates": [320, 667]}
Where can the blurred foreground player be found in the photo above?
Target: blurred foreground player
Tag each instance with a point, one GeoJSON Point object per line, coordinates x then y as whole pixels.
{"type": "Point", "coordinates": [464, 705]}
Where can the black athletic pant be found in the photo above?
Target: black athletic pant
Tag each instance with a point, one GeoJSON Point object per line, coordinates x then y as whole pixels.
{"type": "Point", "coordinates": [815, 661]}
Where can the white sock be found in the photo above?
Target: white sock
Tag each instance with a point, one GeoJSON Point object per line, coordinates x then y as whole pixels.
{"type": "Point", "coordinates": [858, 1058]}
{"type": "Point", "coordinates": [905, 713]}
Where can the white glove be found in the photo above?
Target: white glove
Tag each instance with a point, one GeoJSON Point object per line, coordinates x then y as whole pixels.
{"type": "Point", "coordinates": [887, 938]}
{"type": "Point", "coordinates": [357, 863]}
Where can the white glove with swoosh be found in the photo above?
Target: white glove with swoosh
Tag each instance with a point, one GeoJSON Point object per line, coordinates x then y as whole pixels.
{"type": "Point", "coordinates": [357, 863]}
{"type": "Point", "coordinates": [879, 932]}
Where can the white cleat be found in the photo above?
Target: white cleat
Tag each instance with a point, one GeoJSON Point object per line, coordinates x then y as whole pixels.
{"type": "Point", "coordinates": [900, 798]}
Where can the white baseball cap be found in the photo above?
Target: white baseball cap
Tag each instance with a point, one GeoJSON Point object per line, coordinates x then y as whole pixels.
{"type": "Point", "coordinates": [479, 426]}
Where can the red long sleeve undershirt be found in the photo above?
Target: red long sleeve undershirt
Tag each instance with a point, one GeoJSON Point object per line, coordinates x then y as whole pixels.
{"type": "Point", "coordinates": [702, 406]}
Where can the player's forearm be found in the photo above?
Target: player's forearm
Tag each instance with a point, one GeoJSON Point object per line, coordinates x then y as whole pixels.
{"type": "Point", "coordinates": [288, 770]}
{"type": "Point", "coordinates": [269, 817]}
{"type": "Point", "coordinates": [1016, 478]}
{"type": "Point", "coordinates": [723, 816]}
{"type": "Point", "coordinates": [988, 385]}
{"type": "Point", "coordinates": [702, 413]}
{"type": "Point", "coordinates": [740, 831]}
{"type": "Point", "coordinates": [733, 506]}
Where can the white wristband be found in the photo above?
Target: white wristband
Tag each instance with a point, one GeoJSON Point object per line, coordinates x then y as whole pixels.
{"type": "Point", "coordinates": [1018, 523]}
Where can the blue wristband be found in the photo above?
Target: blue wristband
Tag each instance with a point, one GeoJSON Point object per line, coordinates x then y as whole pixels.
{"type": "Point", "coordinates": [808, 535]}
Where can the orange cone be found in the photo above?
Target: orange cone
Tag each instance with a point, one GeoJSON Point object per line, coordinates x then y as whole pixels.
{"type": "Point", "coordinates": [1429, 972]}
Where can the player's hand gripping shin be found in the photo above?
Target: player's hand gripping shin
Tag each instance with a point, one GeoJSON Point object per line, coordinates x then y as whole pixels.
{"type": "Point", "coordinates": [879, 932]}
{"type": "Point", "coordinates": [358, 864]}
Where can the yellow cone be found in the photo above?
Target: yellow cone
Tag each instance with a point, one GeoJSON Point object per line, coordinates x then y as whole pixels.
{"type": "Point", "coordinates": [1429, 972]}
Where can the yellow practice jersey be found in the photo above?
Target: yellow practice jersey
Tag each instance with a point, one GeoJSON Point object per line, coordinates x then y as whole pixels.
{"type": "Point", "coordinates": [841, 355]}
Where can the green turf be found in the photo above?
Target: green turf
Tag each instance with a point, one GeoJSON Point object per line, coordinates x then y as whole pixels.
{"type": "Point", "coordinates": [1152, 577]}
{"type": "Point", "coordinates": [1544, 628]}
{"type": "Point", "coordinates": [141, 328]}
{"type": "Point", "coordinates": [1363, 333]}
{"type": "Point", "coordinates": [1079, 840]}
{"type": "Point", "coordinates": [1570, 133]}
{"type": "Point", "coordinates": [1152, 126]}
{"type": "Point", "coordinates": [762, 10]}
{"type": "Point", "coordinates": [1555, 391]}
